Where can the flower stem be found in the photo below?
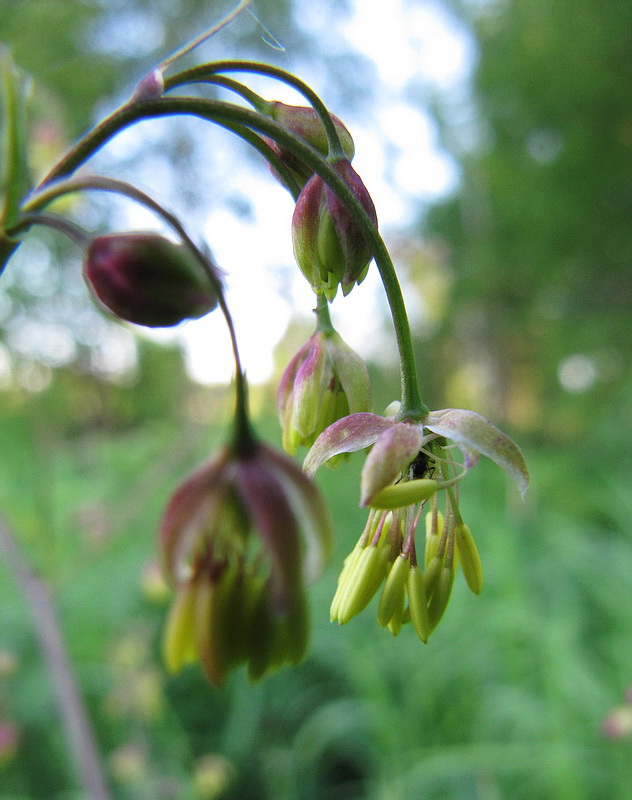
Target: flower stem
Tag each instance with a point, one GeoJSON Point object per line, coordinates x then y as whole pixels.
{"type": "Point", "coordinates": [324, 323]}
{"type": "Point", "coordinates": [230, 115]}
{"type": "Point", "coordinates": [243, 430]}
{"type": "Point", "coordinates": [65, 226]}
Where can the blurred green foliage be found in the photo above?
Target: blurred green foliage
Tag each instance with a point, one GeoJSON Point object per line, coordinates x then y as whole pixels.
{"type": "Point", "coordinates": [535, 250]}
{"type": "Point", "coordinates": [507, 700]}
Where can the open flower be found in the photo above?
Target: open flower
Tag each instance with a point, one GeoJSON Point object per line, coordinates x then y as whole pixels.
{"type": "Point", "coordinates": [239, 538]}
{"type": "Point", "coordinates": [411, 465]}
{"type": "Point", "coordinates": [326, 380]}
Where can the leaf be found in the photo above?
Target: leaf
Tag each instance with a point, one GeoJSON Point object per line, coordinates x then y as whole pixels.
{"type": "Point", "coordinates": [15, 178]}
{"type": "Point", "coordinates": [473, 432]}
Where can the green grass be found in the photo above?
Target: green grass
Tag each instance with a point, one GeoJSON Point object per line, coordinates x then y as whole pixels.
{"type": "Point", "coordinates": [506, 701]}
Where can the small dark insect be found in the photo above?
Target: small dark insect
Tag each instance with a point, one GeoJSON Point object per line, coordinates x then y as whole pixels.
{"type": "Point", "coordinates": [421, 467]}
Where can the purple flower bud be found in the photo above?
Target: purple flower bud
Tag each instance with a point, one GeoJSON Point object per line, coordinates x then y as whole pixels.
{"type": "Point", "coordinates": [326, 380]}
{"type": "Point", "coordinates": [147, 279]}
{"type": "Point", "coordinates": [239, 538]}
{"type": "Point", "coordinates": [303, 121]}
{"type": "Point", "coordinates": [329, 247]}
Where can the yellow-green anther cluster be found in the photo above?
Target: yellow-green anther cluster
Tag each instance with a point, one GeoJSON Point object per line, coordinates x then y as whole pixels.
{"type": "Point", "coordinates": [228, 620]}
{"type": "Point", "coordinates": [364, 569]}
{"type": "Point", "coordinates": [239, 538]}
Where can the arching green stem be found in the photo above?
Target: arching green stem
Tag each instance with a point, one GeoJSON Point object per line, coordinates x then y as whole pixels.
{"type": "Point", "coordinates": [230, 115]}
{"type": "Point", "coordinates": [244, 436]}
{"type": "Point", "coordinates": [207, 72]}
{"type": "Point", "coordinates": [323, 318]}
{"type": "Point", "coordinates": [61, 224]}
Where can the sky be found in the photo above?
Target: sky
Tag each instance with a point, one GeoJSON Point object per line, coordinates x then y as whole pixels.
{"type": "Point", "coordinates": [398, 156]}
{"type": "Point", "coordinates": [410, 41]}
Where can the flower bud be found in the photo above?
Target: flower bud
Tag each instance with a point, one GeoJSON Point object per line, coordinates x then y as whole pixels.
{"type": "Point", "coordinates": [329, 247]}
{"type": "Point", "coordinates": [147, 279]}
{"type": "Point", "coordinates": [325, 381]}
{"type": "Point", "coordinates": [303, 121]}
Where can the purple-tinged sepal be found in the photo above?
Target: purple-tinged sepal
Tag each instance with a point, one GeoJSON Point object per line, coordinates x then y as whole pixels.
{"type": "Point", "coordinates": [240, 538]}
{"type": "Point", "coordinates": [474, 434]}
{"type": "Point", "coordinates": [326, 380]}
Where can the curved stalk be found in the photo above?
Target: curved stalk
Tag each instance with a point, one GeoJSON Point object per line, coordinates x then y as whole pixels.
{"type": "Point", "coordinates": [61, 224]}
{"type": "Point", "coordinates": [243, 431]}
{"type": "Point", "coordinates": [323, 317]}
{"type": "Point", "coordinates": [229, 115]}
{"type": "Point", "coordinates": [206, 72]}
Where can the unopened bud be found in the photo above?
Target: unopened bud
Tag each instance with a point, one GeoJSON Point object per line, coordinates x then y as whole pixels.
{"type": "Point", "coordinates": [329, 247]}
{"type": "Point", "coordinates": [325, 381]}
{"type": "Point", "coordinates": [303, 121]}
{"type": "Point", "coordinates": [147, 279]}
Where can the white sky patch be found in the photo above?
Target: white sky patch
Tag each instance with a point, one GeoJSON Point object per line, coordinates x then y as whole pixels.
{"type": "Point", "coordinates": [398, 157]}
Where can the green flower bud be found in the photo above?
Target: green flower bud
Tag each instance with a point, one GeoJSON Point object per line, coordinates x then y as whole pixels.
{"type": "Point", "coordinates": [329, 247]}
{"type": "Point", "coordinates": [146, 279]}
{"type": "Point", "coordinates": [304, 122]}
{"type": "Point", "coordinates": [325, 381]}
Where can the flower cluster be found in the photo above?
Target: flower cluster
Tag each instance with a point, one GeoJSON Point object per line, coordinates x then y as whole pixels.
{"type": "Point", "coordinates": [242, 536]}
{"type": "Point", "coordinates": [410, 465]}
{"type": "Point", "coordinates": [239, 538]}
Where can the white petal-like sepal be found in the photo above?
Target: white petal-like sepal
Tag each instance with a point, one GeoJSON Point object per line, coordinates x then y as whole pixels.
{"type": "Point", "coordinates": [473, 432]}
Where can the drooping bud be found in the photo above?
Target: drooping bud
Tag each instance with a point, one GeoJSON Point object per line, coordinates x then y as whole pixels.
{"type": "Point", "coordinates": [325, 381]}
{"type": "Point", "coordinates": [303, 121]}
{"type": "Point", "coordinates": [329, 247]}
{"type": "Point", "coordinates": [147, 279]}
